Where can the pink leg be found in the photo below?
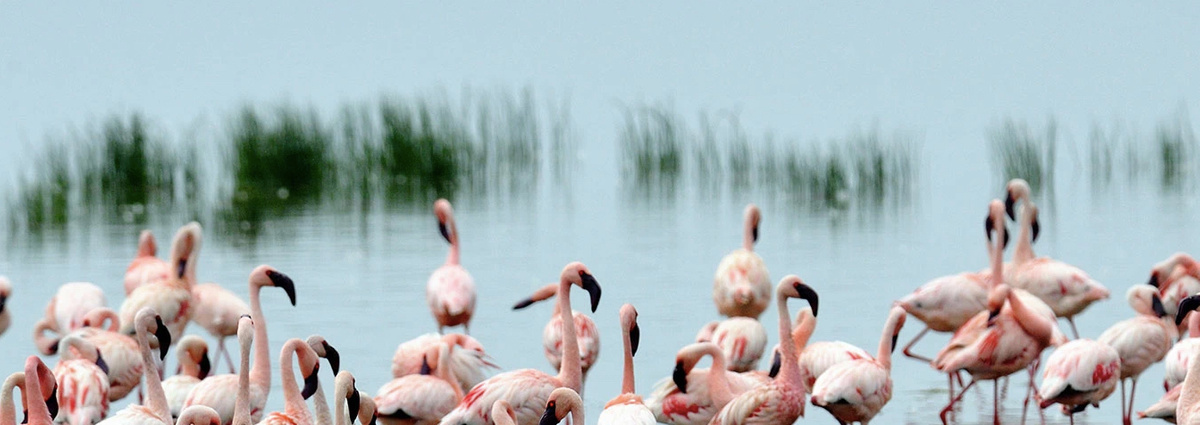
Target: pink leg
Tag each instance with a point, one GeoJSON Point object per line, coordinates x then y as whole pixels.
{"type": "Point", "coordinates": [908, 348]}
{"type": "Point", "coordinates": [1124, 417]}
{"type": "Point", "coordinates": [1129, 412]}
{"type": "Point", "coordinates": [1071, 320]}
{"type": "Point", "coordinates": [996, 402]}
{"type": "Point", "coordinates": [956, 399]}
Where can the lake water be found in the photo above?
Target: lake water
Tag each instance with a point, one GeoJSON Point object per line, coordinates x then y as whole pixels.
{"type": "Point", "coordinates": [360, 275]}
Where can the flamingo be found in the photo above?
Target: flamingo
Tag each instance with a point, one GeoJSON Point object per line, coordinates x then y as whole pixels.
{"type": "Point", "coordinates": [1079, 373]}
{"type": "Point", "coordinates": [818, 357]}
{"type": "Point", "coordinates": [1165, 407]}
{"type": "Point", "coordinates": [528, 389]}
{"type": "Point", "coordinates": [1176, 278]}
{"type": "Point", "coordinates": [146, 268]}
{"type": "Point", "coordinates": [502, 413]}
{"type": "Point", "coordinates": [780, 401]}
{"type": "Point", "coordinates": [38, 377]}
{"type": "Point", "coordinates": [172, 299]}
{"type": "Point", "coordinates": [1177, 359]}
{"type": "Point", "coordinates": [8, 410]}
{"type": "Point", "coordinates": [155, 411]}
{"type": "Point", "coordinates": [563, 401]}
{"type": "Point", "coordinates": [425, 398]}
{"type": "Point", "coordinates": [218, 391]}
{"type": "Point", "coordinates": [469, 361]}
{"type": "Point", "coordinates": [5, 292]}
{"type": "Point", "coordinates": [743, 340]}
{"type": "Point", "coordinates": [628, 407]}
{"type": "Point", "coordinates": [65, 312]}
{"type": "Point", "coordinates": [1009, 336]}
{"type": "Point", "coordinates": [325, 351]}
{"type": "Point", "coordinates": [120, 351]}
{"type": "Point", "coordinates": [198, 415]}
{"type": "Point", "coordinates": [1140, 341]}
{"type": "Point", "coordinates": [82, 380]}
{"type": "Point", "coordinates": [742, 286]}
{"type": "Point", "coordinates": [693, 396]}
{"type": "Point", "coordinates": [1067, 289]}
{"type": "Point", "coordinates": [295, 410]}
{"type": "Point", "coordinates": [242, 413]}
{"type": "Point", "coordinates": [1187, 412]}
{"type": "Point", "coordinates": [552, 334]}
{"type": "Point", "coordinates": [217, 310]}
{"type": "Point", "coordinates": [194, 366]}
{"type": "Point", "coordinates": [855, 391]}
{"type": "Point", "coordinates": [349, 402]}
{"type": "Point", "coordinates": [451, 290]}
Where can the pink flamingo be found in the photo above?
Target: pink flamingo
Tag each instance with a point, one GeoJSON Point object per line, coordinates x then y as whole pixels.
{"type": "Point", "coordinates": [628, 407]}
{"type": "Point", "coordinates": [218, 391]}
{"type": "Point", "coordinates": [818, 357]}
{"type": "Point", "coordinates": [295, 409]}
{"type": "Point", "coordinates": [552, 334]}
{"type": "Point", "coordinates": [38, 378]}
{"type": "Point", "coordinates": [469, 361]}
{"type": "Point", "coordinates": [325, 351]}
{"type": "Point", "coordinates": [855, 391]}
{"type": "Point", "coordinates": [502, 413]}
{"type": "Point", "coordinates": [780, 401]}
{"type": "Point", "coordinates": [742, 286]}
{"type": "Point", "coordinates": [120, 352]}
{"type": "Point", "coordinates": [194, 366]}
{"type": "Point", "coordinates": [563, 401]}
{"type": "Point", "coordinates": [82, 381]}
{"type": "Point", "coordinates": [5, 292]}
{"type": "Point", "coordinates": [242, 410]}
{"type": "Point", "coordinates": [1187, 410]}
{"type": "Point", "coordinates": [146, 268]}
{"type": "Point", "coordinates": [1079, 373]}
{"type": "Point", "coordinates": [1140, 341]}
{"type": "Point", "coordinates": [155, 411]}
{"type": "Point", "coordinates": [1165, 407]}
{"type": "Point", "coordinates": [1009, 336]}
{"type": "Point", "coordinates": [217, 311]}
{"type": "Point", "coordinates": [65, 312]}
{"type": "Point", "coordinates": [349, 402]}
{"type": "Point", "coordinates": [1067, 289]}
{"type": "Point", "coordinates": [693, 396]}
{"type": "Point", "coordinates": [743, 340]}
{"type": "Point", "coordinates": [425, 398]}
{"type": "Point", "coordinates": [451, 290]}
{"type": "Point", "coordinates": [528, 389]}
{"type": "Point", "coordinates": [172, 299]}
{"type": "Point", "coordinates": [1180, 355]}
{"type": "Point", "coordinates": [1176, 278]}
{"type": "Point", "coordinates": [198, 415]}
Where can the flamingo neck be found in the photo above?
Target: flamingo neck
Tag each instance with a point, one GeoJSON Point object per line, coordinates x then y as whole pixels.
{"type": "Point", "coordinates": [188, 366]}
{"type": "Point", "coordinates": [1189, 399]}
{"type": "Point", "coordinates": [1024, 251]}
{"type": "Point", "coordinates": [293, 403]}
{"type": "Point", "coordinates": [570, 373]}
{"type": "Point", "coordinates": [748, 234]}
{"type": "Point", "coordinates": [260, 373]}
{"type": "Point", "coordinates": [1194, 326]}
{"type": "Point", "coordinates": [241, 407]}
{"type": "Point", "coordinates": [718, 378]}
{"type": "Point", "coordinates": [1036, 325]}
{"type": "Point", "coordinates": [8, 411]}
{"type": "Point", "coordinates": [156, 399]}
{"type": "Point", "coordinates": [34, 397]}
{"type": "Point", "coordinates": [321, 406]}
{"type": "Point", "coordinates": [789, 371]}
{"type": "Point", "coordinates": [627, 383]}
{"type": "Point", "coordinates": [803, 332]}
{"type": "Point", "coordinates": [44, 345]}
{"type": "Point", "coordinates": [884, 353]}
{"type": "Point", "coordinates": [339, 404]}
{"type": "Point", "coordinates": [446, 372]}
{"type": "Point", "coordinates": [452, 256]}
{"type": "Point", "coordinates": [996, 250]}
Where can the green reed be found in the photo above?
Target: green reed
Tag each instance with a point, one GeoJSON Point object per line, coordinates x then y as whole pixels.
{"type": "Point", "coordinates": [1019, 151]}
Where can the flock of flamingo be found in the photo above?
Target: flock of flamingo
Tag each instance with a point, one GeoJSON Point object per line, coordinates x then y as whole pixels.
{"type": "Point", "coordinates": [1002, 318]}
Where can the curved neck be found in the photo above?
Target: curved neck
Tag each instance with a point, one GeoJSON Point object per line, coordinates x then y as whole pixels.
{"type": "Point", "coordinates": [340, 392]}
{"type": "Point", "coordinates": [1024, 250]}
{"type": "Point", "coordinates": [884, 354]}
{"type": "Point", "coordinates": [627, 383]}
{"type": "Point", "coordinates": [748, 234]}
{"type": "Point", "coordinates": [321, 406]}
{"type": "Point", "coordinates": [241, 406]}
{"type": "Point", "coordinates": [452, 256]}
{"type": "Point", "coordinates": [803, 331]}
{"type": "Point", "coordinates": [293, 403]}
{"type": "Point", "coordinates": [260, 373]}
{"type": "Point", "coordinates": [156, 399]}
{"type": "Point", "coordinates": [44, 344]}
{"type": "Point", "coordinates": [718, 378]}
{"type": "Point", "coordinates": [570, 373]}
{"type": "Point", "coordinates": [1190, 397]}
{"type": "Point", "coordinates": [789, 371]}
{"type": "Point", "coordinates": [996, 251]}
{"type": "Point", "coordinates": [1036, 325]}
{"type": "Point", "coordinates": [446, 372]}
{"type": "Point", "coordinates": [188, 365]}
{"type": "Point", "coordinates": [34, 396]}
{"type": "Point", "coordinates": [8, 411]}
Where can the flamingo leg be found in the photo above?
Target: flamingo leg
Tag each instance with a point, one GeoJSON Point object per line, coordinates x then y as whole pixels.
{"type": "Point", "coordinates": [946, 410]}
{"type": "Point", "coordinates": [221, 349]}
{"type": "Point", "coordinates": [1129, 412]}
{"type": "Point", "coordinates": [908, 348]}
{"type": "Point", "coordinates": [1075, 331]}
{"type": "Point", "coordinates": [996, 401]}
{"type": "Point", "coordinates": [1123, 415]}
{"type": "Point", "coordinates": [1031, 390]}
{"type": "Point", "coordinates": [950, 377]}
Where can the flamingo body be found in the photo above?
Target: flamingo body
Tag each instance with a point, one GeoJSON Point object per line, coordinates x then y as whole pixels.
{"type": "Point", "coordinates": [469, 362]}
{"type": "Point", "coordinates": [742, 285]}
{"type": "Point", "coordinates": [819, 357]}
{"type": "Point", "coordinates": [415, 397]}
{"type": "Point", "coordinates": [217, 311]}
{"type": "Point", "coordinates": [589, 340]}
{"type": "Point", "coordinates": [629, 411]}
{"type": "Point", "coordinates": [853, 391]}
{"type": "Point", "coordinates": [695, 407]}
{"type": "Point", "coordinates": [1080, 372]}
{"type": "Point", "coordinates": [82, 391]}
{"type": "Point", "coordinates": [451, 295]}
{"type": "Point", "coordinates": [946, 303]}
{"type": "Point", "coordinates": [743, 340]}
{"type": "Point", "coordinates": [72, 303]}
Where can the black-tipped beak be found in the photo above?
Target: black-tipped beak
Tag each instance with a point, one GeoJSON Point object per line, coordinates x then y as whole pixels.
{"type": "Point", "coordinates": [776, 364]}
{"type": "Point", "coordinates": [3, 299]}
{"type": "Point", "coordinates": [353, 402]}
{"type": "Point", "coordinates": [335, 359]}
{"type": "Point", "coordinates": [181, 267]}
{"type": "Point", "coordinates": [679, 377]}
{"type": "Point", "coordinates": [523, 303]}
{"type": "Point", "coordinates": [992, 316]}
{"type": "Point", "coordinates": [1006, 237]}
{"type": "Point", "coordinates": [425, 369]}
{"type": "Point", "coordinates": [1009, 204]}
{"type": "Point", "coordinates": [25, 416]}
{"type": "Point", "coordinates": [310, 382]}
{"type": "Point", "coordinates": [754, 233]}
{"type": "Point", "coordinates": [895, 337]}
{"type": "Point", "coordinates": [987, 227]}
{"type": "Point", "coordinates": [1157, 305]}
{"type": "Point", "coordinates": [444, 231]}
{"type": "Point", "coordinates": [593, 287]}
{"type": "Point", "coordinates": [1186, 305]}
{"type": "Point", "coordinates": [205, 366]}
{"type": "Point", "coordinates": [100, 363]}
{"type": "Point", "coordinates": [1153, 280]}
{"type": "Point", "coordinates": [809, 294]}
{"type": "Point", "coordinates": [374, 418]}
{"type": "Point", "coordinates": [164, 337]}
{"type": "Point", "coordinates": [1037, 229]}
{"type": "Point", "coordinates": [283, 281]}
{"type": "Point", "coordinates": [52, 402]}
{"type": "Point", "coordinates": [549, 418]}
{"type": "Point", "coordinates": [635, 335]}
{"type": "Point", "coordinates": [54, 348]}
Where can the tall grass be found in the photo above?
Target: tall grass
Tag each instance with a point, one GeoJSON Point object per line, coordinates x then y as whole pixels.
{"type": "Point", "coordinates": [1168, 156]}
{"type": "Point", "coordinates": [1019, 151]}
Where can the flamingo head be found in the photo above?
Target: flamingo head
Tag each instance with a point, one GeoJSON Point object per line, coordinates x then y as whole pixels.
{"type": "Point", "coordinates": [309, 366]}
{"type": "Point", "coordinates": [326, 351]}
{"type": "Point", "coordinates": [792, 287]}
{"type": "Point", "coordinates": [146, 245]}
{"type": "Point", "coordinates": [629, 323]}
{"type": "Point", "coordinates": [995, 301]}
{"type": "Point", "coordinates": [1145, 300]}
{"type": "Point", "coordinates": [994, 223]}
{"type": "Point", "coordinates": [265, 275]}
{"type": "Point", "coordinates": [5, 292]}
{"type": "Point", "coordinates": [752, 216]}
{"type": "Point", "coordinates": [193, 349]}
{"type": "Point", "coordinates": [562, 401]}
{"type": "Point", "coordinates": [1017, 190]}
{"type": "Point", "coordinates": [445, 216]}
{"type": "Point", "coordinates": [578, 274]}
{"type": "Point", "coordinates": [184, 248]}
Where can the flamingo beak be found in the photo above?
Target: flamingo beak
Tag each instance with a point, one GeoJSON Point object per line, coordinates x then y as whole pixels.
{"type": "Point", "coordinates": [310, 382]}
{"type": "Point", "coordinates": [335, 359]}
{"type": "Point", "coordinates": [1153, 279]}
{"type": "Point", "coordinates": [895, 337]}
{"type": "Point", "coordinates": [425, 369]}
{"type": "Point", "coordinates": [205, 366]}
{"type": "Point", "coordinates": [3, 298]}
{"type": "Point", "coordinates": [353, 402]}
{"type": "Point", "coordinates": [52, 402]}
{"type": "Point", "coordinates": [550, 417]}
{"type": "Point", "coordinates": [754, 233]}
{"type": "Point", "coordinates": [593, 287]}
{"type": "Point", "coordinates": [776, 363]}
{"type": "Point", "coordinates": [1157, 305]}
{"type": "Point", "coordinates": [523, 303]}
{"type": "Point", "coordinates": [808, 294]}
{"type": "Point", "coordinates": [992, 316]}
{"type": "Point", "coordinates": [1186, 305]}
{"type": "Point", "coordinates": [680, 377]}
{"type": "Point", "coordinates": [444, 231]}
{"type": "Point", "coordinates": [1009, 203]}
{"type": "Point", "coordinates": [635, 335]}
{"type": "Point", "coordinates": [283, 281]}
{"type": "Point", "coordinates": [100, 363]}
{"type": "Point", "coordinates": [164, 337]}
{"type": "Point", "coordinates": [182, 267]}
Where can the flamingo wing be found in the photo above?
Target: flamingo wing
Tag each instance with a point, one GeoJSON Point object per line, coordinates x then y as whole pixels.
{"type": "Point", "coordinates": [420, 397]}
